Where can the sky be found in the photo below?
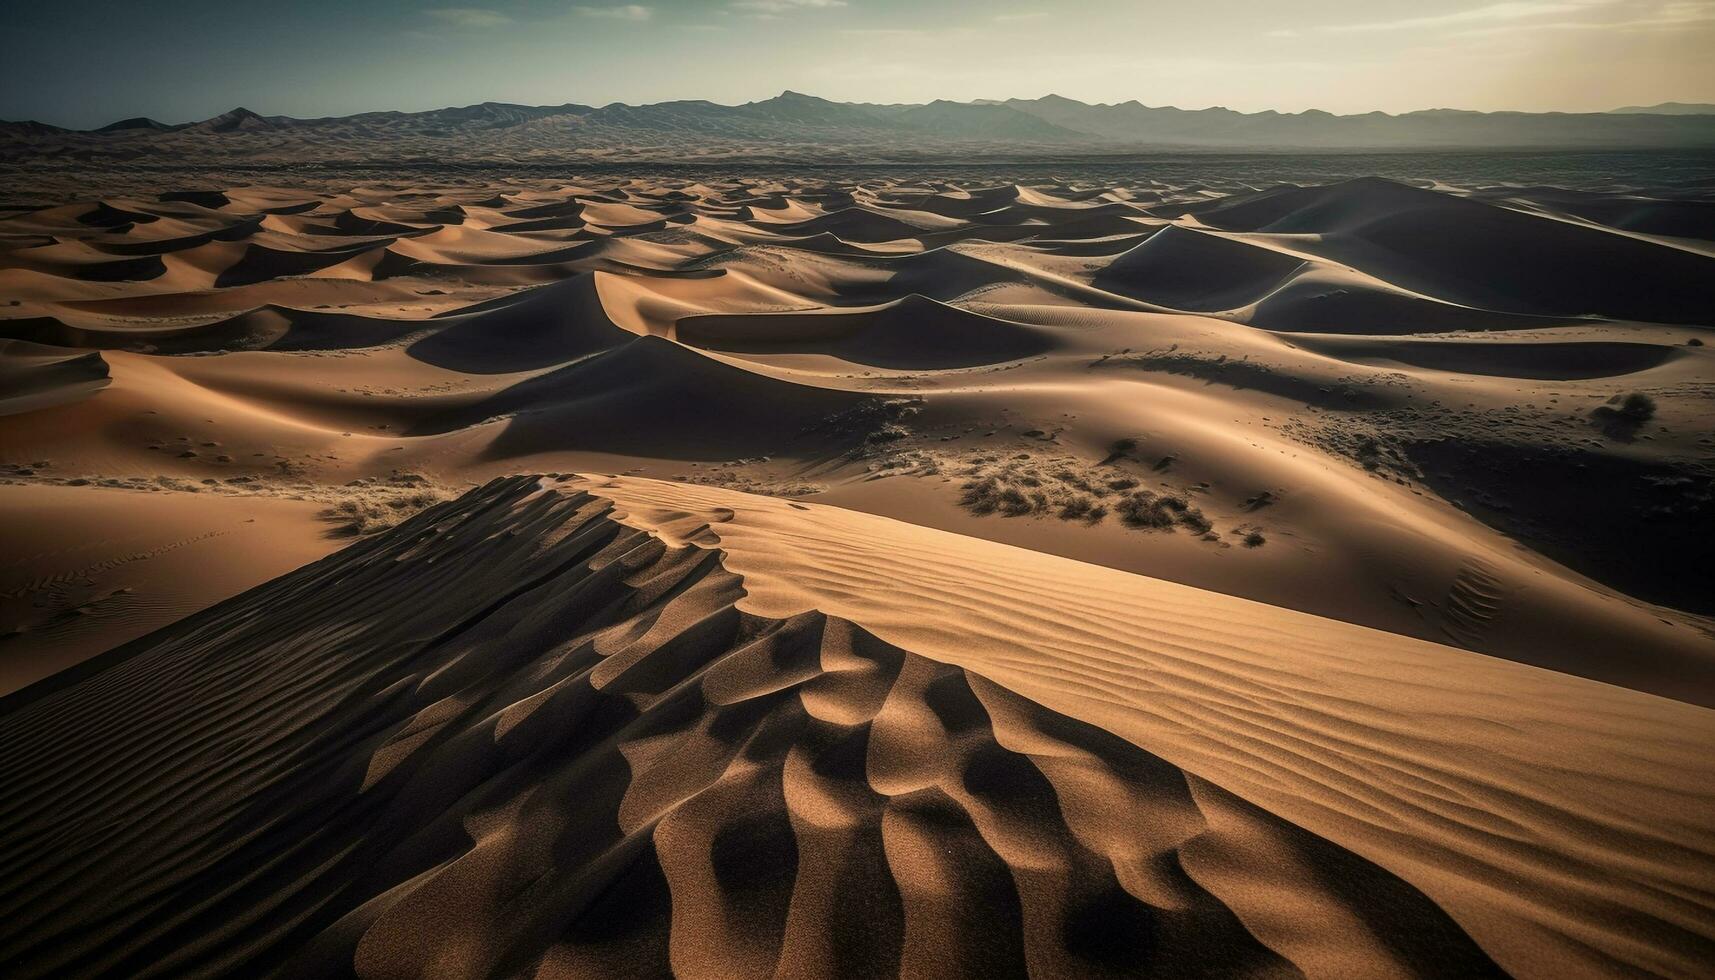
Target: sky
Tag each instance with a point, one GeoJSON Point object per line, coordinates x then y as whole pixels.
{"type": "Point", "coordinates": [84, 63]}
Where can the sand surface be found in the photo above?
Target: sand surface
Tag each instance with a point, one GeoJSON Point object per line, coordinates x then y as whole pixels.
{"type": "Point", "coordinates": [960, 576]}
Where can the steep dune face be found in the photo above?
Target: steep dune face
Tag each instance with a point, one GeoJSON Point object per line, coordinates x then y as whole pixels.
{"type": "Point", "coordinates": [914, 332]}
{"type": "Point", "coordinates": [34, 377]}
{"type": "Point", "coordinates": [1187, 269]}
{"type": "Point", "coordinates": [650, 396]}
{"type": "Point", "coordinates": [544, 327]}
{"type": "Point", "coordinates": [575, 719]}
{"type": "Point", "coordinates": [1479, 254]}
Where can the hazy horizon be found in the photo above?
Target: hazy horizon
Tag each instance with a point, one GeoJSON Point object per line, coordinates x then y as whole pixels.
{"type": "Point", "coordinates": [85, 64]}
{"type": "Point", "coordinates": [263, 111]}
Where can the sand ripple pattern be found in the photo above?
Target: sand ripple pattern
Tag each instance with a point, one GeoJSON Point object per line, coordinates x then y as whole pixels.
{"type": "Point", "coordinates": [514, 736]}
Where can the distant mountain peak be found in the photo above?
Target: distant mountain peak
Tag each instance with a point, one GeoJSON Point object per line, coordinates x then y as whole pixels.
{"type": "Point", "coordinates": [1668, 109]}
{"type": "Point", "coordinates": [135, 123]}
{"type": "Point", "coordinates": [235, 119]}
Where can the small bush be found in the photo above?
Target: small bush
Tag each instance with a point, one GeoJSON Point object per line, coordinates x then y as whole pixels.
{"type": "Point", "coordinates": [1144, 510]}
{"type": "Point", "coordinates": [1637, 407]}
{"type": "Point", "coordinates": [1014, 503]}
{"type": "Point", "coordinates": [1159, 512]}
{"type": "Point", "coordinates": [982, 496]}
{"type": "Point", "coordinates": [377, 510]}
{"type": "Point", "coordinates": [1623, 415]}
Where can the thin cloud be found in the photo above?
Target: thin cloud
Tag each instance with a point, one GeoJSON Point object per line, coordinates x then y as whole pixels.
{"type": "Point", "coordinates": [1021, 17]}
{"type": "Point", "coordinates": [1661, 17]}
{"type": "Point", "coordinates": [471, 17]}
{"type": "Point", "coordinates": [634, 12]}
{"type": "Point", "coordinates": [774, 8]}
{"type": "Point", "coordinates": [893, 32]}
{"type": "Point", "coordinates": [1495, 13]}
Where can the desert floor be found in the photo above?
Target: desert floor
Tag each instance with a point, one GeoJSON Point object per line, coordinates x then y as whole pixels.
{"type": "Point", "coordinates": [788, 575]}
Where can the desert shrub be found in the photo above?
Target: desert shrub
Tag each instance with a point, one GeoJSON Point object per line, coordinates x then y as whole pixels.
{"type": "Point", "coordinates": [372, 509]}
{"type": "Point", "coordinates": [1013, 502]}
{"type": "Point", "coordinates": [1193, 519]}
{"type": "Point", "coordinates": [1159, 512]}
{"type": "Point", "coordinates": [1255, 539]}
{"type": "Point", "coordinates": [982, 496]}
{"type": "Point", "coordinates": [1144, 510]}
{"type": "Point", "coordinates": [1076, 506]}
{"type": "Point", "coordinates": [1623, 415]}
{"type": "Point", "coordinates": [1637, 407]}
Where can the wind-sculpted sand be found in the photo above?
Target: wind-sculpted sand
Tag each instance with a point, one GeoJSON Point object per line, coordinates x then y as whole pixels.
{"type": "Point", "coordinates": [970, 578]}
{"type": "Point", "coordinates": [723, 735]}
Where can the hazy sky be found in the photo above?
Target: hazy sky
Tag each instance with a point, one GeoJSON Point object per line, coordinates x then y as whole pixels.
{"type": "Point", "coordinates": [88, 62]}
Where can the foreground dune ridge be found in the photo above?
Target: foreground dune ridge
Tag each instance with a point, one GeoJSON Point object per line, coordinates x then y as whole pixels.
{"type": "Point", "coordinates": [571, 753]}
{"type": "Point", "coordinates": [1562, 822]}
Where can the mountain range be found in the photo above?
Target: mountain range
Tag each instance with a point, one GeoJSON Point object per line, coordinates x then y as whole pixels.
{"type": "Point", "coordinates": [796, 126]}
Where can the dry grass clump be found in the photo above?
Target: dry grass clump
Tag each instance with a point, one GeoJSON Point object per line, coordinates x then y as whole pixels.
{"type": "Point", "coordinates": [1146, 510]}
{"type": "Point", "coordinates": [989, 496]}
{"type": "Point", "coordinates": [1076, 507]}
{"type": "Point", "coordinates": [1024, 485]}
{"type": "Point", "coordinates": [1624, 415]}
{"type": "Point", "coordinates": [368, 509]}
{"type": "Point", "coordinates": [875, 423]}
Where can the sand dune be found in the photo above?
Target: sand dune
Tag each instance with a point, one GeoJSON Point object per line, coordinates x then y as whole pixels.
{"type": "Point", "coordinates": [696, 739]}
{"type": "Point", "coordinates": [1451, 247]}
{"type": "Point", "coordinates": [914, 332]}
{"type": "Point", "coordinates": [1268, 703]}
{"type": "Point", "coordinates": [1187, 269]}
{"type": "Point", "coordinates": [613, 729]}
{"type": "Point", "coordinates": [34, 377]}
{"type": "Point", "coordinates": [1002, 576]}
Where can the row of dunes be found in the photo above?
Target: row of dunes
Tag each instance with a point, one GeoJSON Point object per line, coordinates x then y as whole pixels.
{"type": "Point", "coordinates": [1368, 354]}
{"type": "Point", "coordinates": [1389, 251]}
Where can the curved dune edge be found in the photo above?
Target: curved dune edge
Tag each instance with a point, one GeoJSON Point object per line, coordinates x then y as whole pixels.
{"type": "Point", "coordinates": [515, 735]}
{"type": "Point", "coordinates": [1560, 821]}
